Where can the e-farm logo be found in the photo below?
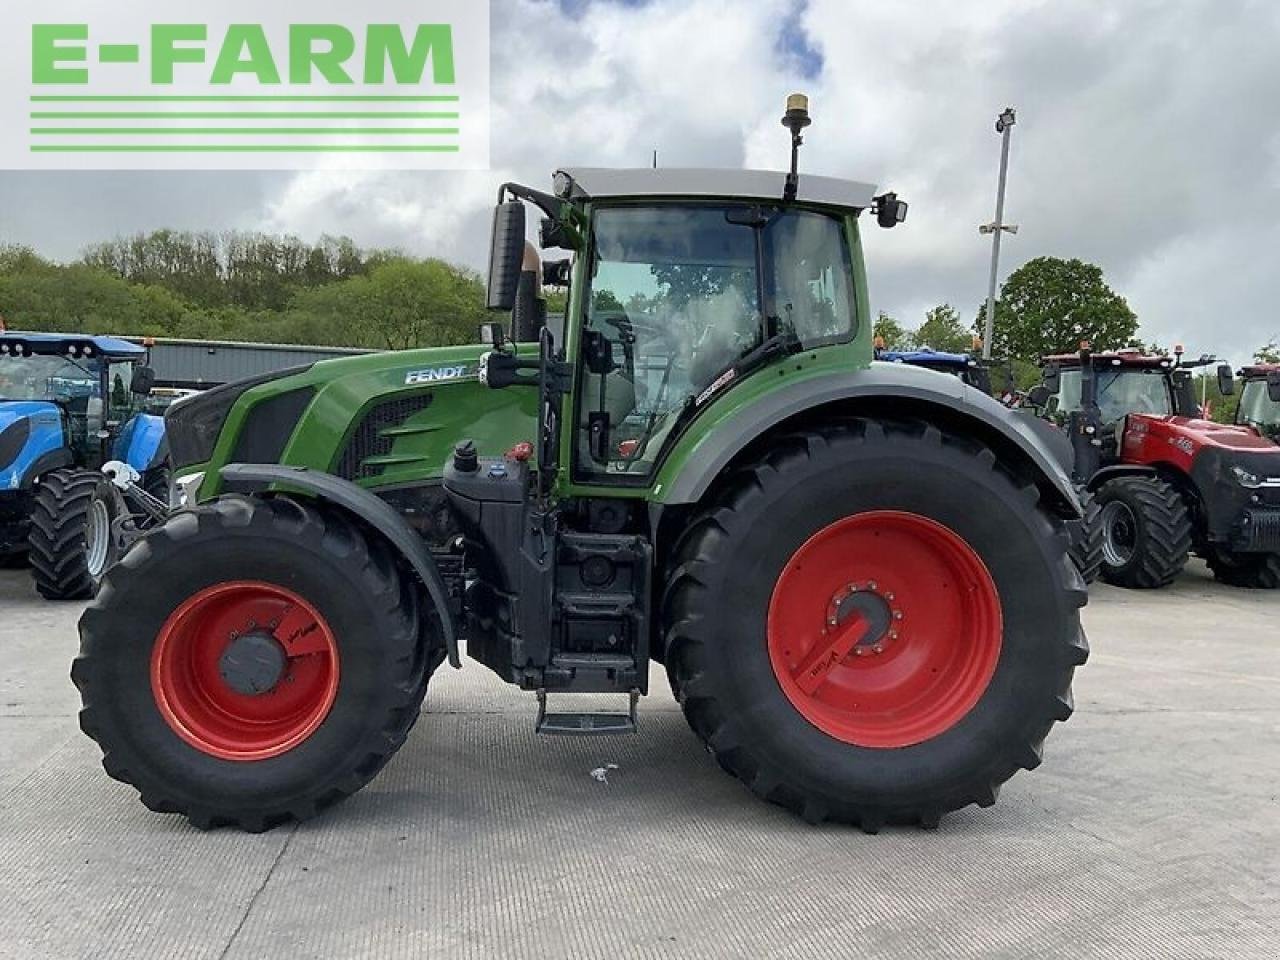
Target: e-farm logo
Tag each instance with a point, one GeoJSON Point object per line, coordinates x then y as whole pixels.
{"type": "Point", "coordinates": [146, 84]}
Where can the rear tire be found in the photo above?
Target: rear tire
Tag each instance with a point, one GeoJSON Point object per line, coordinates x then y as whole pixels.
{"type": "Point", "coordinates": [1253, 571]}
{"type": "Point", "coordinates": [191, 737]}
{"type": "Point", "coordinates": [1146, 532]}
{"type": "Point", "coordinates": [869, 766]}
{"type": "Point", "coordinates": [70, 543]}
{"type": "Point", "coordinates": [1086, 541]}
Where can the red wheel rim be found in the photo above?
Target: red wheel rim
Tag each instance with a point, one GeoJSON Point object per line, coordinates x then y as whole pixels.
{"type": "Point", "coordinates": [201, 706]}
{"type": "Point", "coordinates": [884, 629]}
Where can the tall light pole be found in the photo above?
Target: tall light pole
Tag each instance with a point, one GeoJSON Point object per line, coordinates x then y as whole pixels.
{"type": "Point", "coordinates": [1004, 127]}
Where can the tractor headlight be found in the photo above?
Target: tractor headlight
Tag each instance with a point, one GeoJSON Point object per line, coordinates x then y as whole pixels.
{"type": "Point", "coordinates": [185, 490]}
{"type": "Point", "coordinates": [1246, 479]}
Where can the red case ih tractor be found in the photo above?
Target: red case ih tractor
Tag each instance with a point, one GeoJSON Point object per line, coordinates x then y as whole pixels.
{"type": "Point", "coordinates": [1164, 481]}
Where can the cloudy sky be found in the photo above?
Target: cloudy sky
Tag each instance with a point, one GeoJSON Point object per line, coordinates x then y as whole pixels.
{"type": "Point", "coordinates": [1148, 141]}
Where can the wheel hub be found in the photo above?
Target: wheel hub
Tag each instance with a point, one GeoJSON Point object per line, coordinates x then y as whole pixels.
{"type": "Point", "coordinates": [252, 664]}
{"type": "Point", "coordinates": [1119, 533]}
{"type": "Point", "coordinates": [876, 611]}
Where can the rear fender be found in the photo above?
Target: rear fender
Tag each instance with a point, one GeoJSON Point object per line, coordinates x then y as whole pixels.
{"type": "Point", "coordinates": [886, 390]}
{"type": "Point", "coordinates": [366, 507]}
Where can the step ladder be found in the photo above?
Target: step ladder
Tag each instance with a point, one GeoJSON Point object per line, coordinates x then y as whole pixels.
{"type": "Point", "coordinates": [586, 724]}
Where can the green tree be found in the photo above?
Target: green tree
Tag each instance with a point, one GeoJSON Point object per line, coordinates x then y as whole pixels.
{"type": "Point", "coordinates": [1221, 409]}
{"type": "Point", "coordinates": [1048, 305]}
{"type": "Point", "coordinates": [944, 331]}
{"type": "Point", "coordinates": [400, 304]}
{"type": "Point", "coordinates": [890, 332]}
{"type": "Point", "coordinates": [1269, 353]}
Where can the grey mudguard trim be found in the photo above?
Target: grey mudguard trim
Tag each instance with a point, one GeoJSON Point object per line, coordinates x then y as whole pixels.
{"type": "Point", "coordinates": [879, 381]}
{"type": "Point", "coordinates": [372, 510]}
{"type": "Point", "coordinates": [1119, 470]}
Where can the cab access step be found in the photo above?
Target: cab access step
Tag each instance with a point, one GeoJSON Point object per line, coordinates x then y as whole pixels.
{"type": "Point", "coordinates": [586, 724]}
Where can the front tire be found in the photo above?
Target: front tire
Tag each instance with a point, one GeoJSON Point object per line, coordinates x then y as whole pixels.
{"type": "Point", "coordinates": [1146, 532]}
{"type": "Point", "coordinates": [70, 541]}
{"type": "Point", "coordinates": [250, 662]}
{"type": "Point", "coordinates": [1253, 571]}
{"type": "Point", "coordinates": [968, 636]}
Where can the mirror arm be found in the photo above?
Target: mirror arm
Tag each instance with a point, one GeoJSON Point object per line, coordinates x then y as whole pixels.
{"type": "Point", "coordinates": [551, 206]}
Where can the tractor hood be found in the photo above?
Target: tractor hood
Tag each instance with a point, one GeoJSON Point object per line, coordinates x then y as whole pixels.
{"type": "Point", "coordinates": [13, 410]}
{"type": "Point", "coordinates": [378, 420]}
{"type": "Point", "coordinates": [1190, 433]}
{"type": "Point", "coordinates": [29, 431]}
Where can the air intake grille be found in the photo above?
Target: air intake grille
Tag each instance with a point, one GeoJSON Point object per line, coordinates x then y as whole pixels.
{"type": "Point", "coordinates": [1262, 531]}
{"type": "Point", "coordinates": [368, 439]}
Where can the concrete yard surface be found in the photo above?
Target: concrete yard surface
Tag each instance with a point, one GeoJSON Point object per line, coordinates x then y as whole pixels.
{"type": "Point", "coordinates": [1151, 830]}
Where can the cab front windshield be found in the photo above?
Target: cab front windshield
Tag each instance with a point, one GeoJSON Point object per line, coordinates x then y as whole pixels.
{"type": "Point", "coordinates": [54, 378]}
{"type": "Point", "coordinates": [682, 295]}
{"type": "Point", "coordinates": [1120, 392]}
{"type": "Point", "coordinates": [1258, 409]}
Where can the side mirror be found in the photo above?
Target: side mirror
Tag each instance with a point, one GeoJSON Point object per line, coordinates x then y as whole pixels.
{"type": "Point", "coordinates": [1226, 380]}
{"type": "Point", "coordinates": [1052, 379]}
{"type": "Point", "coordinates": [1273, 386]}
{"type": "Point", "coordinates": [144, 379]}
{"type": "Point", "coordinates": [889, 210]}
{"type": "Point", "coordinates": [1039, 395]}
{"type": "Point", "coordinates": [506, 254]}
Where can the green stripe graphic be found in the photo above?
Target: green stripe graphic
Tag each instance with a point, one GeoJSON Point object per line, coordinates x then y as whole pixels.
{"type": "Point", "coordinates": [242, 99]}
{"type": "Point", "coordinates": [241, 148]}
{"type": "Point", "coordinates": [98, 115]}
{"type": "Point", "coordinates": [274, 131]}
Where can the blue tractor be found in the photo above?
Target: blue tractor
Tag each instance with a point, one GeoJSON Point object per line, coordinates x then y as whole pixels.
{"type": "Point", "coordinates": [971, 370]}
{"type": "Point", "coordinates": [83, 465]}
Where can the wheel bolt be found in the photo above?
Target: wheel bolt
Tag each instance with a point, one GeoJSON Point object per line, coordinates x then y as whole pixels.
{"type": "Point", "coordinates": [897, 614]}
{"type": "Point", "coordinates": [878, 648]}
{"type": "Point", "coordinates": [889, 597]}
{"type": "Point", "coordinates": [871, 585]}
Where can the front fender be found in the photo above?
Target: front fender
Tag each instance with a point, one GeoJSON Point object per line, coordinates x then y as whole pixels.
{"type": "Point", "coordinates": [141, 443]}
{"type": "Point", "coordinates": [883, 389]}
{"type": "Point", "coordinates": [1119, 470]}
{"type": "Point", "coordinates": [369, 508]}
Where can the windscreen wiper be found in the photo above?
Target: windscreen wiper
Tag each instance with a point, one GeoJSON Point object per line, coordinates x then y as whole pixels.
{"type": "Point", "coordinates": [782, 344]}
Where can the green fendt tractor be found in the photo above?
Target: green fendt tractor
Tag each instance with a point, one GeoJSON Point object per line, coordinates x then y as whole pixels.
{"type": "Point", "coordinates": [854, 574]}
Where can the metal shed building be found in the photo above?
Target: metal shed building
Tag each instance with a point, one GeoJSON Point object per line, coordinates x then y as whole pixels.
{"type": "Point", "coordinates": [198, 364]}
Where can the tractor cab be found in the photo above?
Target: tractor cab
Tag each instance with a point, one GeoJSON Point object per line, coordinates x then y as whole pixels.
{"type": "Point", "coordinates": [1167, 480]}
{"type": "Point", "coordinates": [1260, 399]}
{"type": "Point", "coordinates": [685, 282]}
{"type": "Point", "coordinates": [970, 369]}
